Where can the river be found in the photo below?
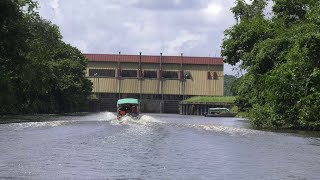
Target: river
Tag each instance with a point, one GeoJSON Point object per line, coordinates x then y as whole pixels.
{"type": "Point", "coordinates": [94, 146]}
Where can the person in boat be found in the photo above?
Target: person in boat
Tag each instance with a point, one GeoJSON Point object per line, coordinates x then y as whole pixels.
{"type": "Point", "coordinates": [133, 109]}
{"type": "Point", "coordinates": [122, 111]}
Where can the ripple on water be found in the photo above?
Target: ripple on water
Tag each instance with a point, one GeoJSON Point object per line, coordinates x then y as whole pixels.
{"type": "Point", "coordinates": [21, 126]}
{"type": "Point", "coordinates": [233, 131]}
{"type": "Point", "coordinates": [127, 120]}
{"type": "Point", "coordinates": [106, 116]}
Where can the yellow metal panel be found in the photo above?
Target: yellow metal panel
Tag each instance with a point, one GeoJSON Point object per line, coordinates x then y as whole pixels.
{"type": "Point", "coordinates": [150, 86]}
{"type": "Point", "coordinates": [129, 86]}
{"type": "Point", "coordinates": [198, 85]}
{"type": "Point", "coordinates": [171, 87]}
{"type": "Point", "coordinates": [105, 85]}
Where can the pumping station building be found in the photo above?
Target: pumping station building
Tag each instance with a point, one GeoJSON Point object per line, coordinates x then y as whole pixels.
{"type": "Point", "coordinates": [160, 82]}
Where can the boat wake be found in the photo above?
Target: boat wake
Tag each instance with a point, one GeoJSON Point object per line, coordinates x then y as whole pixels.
{"type": "Point", "coordinates": [107, 116]}
{"type": "Point", "coordinates": [142, 120]}
{"type": "Point", "coordinates": [54, 121]}
{"type": "Point", "coordinates": [232, 131]}
{"type": "Point", "coordinates": [25, 125]}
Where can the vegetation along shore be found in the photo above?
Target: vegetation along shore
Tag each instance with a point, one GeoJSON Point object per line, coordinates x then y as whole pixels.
{"type": "Point", "coordinates": [280, 53]}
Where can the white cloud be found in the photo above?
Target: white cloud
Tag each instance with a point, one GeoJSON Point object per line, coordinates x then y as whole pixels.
{"type": "Point", "coordinates": [192, 27]}
{"type": "Point", "coordinates": [178, 45]}
{"type": "Point", "coordinates": [55, 5]}
{"type": "Point", "coordinates": [213, 9]}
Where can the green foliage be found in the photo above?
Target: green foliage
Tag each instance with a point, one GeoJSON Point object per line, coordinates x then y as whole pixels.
{"type": "Point", "coordinates": [228, 84]}
{"type": "Point", "coordinates": [281, 56]}
{"type": "Point", "coordinates": [225, 99]}
{"type": "Point", "coordinates": [39, 72]}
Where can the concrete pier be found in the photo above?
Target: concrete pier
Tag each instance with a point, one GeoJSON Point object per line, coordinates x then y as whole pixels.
{"type": "Point", "coordinates": [192, 108]}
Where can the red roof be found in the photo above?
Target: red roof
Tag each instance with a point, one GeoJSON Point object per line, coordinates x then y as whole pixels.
{"type": "Point", "coordinates": [153, 59]}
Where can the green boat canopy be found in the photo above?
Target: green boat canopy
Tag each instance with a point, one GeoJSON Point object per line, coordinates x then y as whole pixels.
{"type": "Point", "coordinates": [128, 101]}
{"type": "Point", "coordinates": [218, 109]}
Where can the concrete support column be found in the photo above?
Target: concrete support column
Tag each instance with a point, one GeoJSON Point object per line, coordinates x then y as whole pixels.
{"type": "Point", "coordinates": [202, 110]}
{"type": "Point", "coordinates": [161, 107]}
{"type": "Point", "coordinates": [198, 110]}
{"type": "Point", "coordinates": [182, 107]}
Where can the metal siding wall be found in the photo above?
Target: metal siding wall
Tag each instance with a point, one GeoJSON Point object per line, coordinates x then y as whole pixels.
{"type": "Point", "coordinates": [129, 86]}
{"type": "Point", "coordinates": [216, 86]}
{"type": "Point", "coordinates": [171, 87]}
{"type": "Point", "coordinates": [171, 67]}
{"type": "Point", "coordinates": [150, 66]}
{"type": "Point", "coordinates": [150, 86]}
{"type": "Point", "coordinates": [215, 68]}
{"type": "Point", "coordinates": [188, 67]}
{"type": "Point", "coordinates": [102, 65]}
{"type": "Point", "coordinates": [220, 86]}
{"type": "Point", "coordinates": [129, 66]}
{"type": "Point", "coordinates": [104, 85]}
{"type": "Point", "coordinates": [199, 85]}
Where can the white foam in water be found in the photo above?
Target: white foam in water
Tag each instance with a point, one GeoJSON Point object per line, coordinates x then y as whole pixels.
{"type": "Point", "coordinates": [20, 126]}
{"type": "Point", "coordinates": [229, 130]}
{"type": "Point", "coordinates": [107, 116]}
{"type": "Point", "coordinates": [143, 120]}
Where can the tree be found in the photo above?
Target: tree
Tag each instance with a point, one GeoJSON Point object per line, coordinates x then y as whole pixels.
{"type": "Point", "coordinates": [281, 57]}
{"type": "Point", "coordinates": [228, 84]}
{"type": "Point", "coordinates": [13, 37]}
{"type": "Point", "coordinates": [39, 72]}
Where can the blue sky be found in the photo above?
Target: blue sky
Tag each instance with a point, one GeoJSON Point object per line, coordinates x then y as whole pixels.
{"type": "Point", "coordinates": [192, 27]}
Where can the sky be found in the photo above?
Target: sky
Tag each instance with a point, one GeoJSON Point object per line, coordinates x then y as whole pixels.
{"type": "Point", "coordinates": [191, 27]}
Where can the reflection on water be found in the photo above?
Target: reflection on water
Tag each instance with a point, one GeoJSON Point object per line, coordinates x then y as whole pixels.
{"type": "Point", "coordinates": [97, 146]}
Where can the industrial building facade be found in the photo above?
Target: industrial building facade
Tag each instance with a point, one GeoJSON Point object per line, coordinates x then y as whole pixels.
{"type": "Point", "coordinates": [160, 82]}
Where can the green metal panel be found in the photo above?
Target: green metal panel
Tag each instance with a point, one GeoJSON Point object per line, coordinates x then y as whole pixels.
{"type": "Point", "coordinates": [128, 101]}
{"type": "Point", "coordinates": [218, 110]}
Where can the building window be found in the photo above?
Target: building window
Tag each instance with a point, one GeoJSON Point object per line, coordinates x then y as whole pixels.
{"type": "Point", "coordinates": [187, 75]}
{"type": "Point", "coordinates": [181, 75]}
{"type": "Point", "coordinates": [128, 73]}
{"type": "Point", "coordinates": [101, 72]}
{"type": "Point", "coordinates": [215, 76]}
{"type": "Point", "coordinates": [169, 74]}
{"type": "Point", "coordinates": [150, 74]}
{"type": "Point", "coordinates": [209, 76]}
{"type": "Point", "coordinates": [139, 73]}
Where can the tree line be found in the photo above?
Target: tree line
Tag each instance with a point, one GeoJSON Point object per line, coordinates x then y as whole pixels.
{"type": "Point", "coordinates": [39, 73]}
{"type": "Point", "coordinates": [228, 85]}
{"type": "Point", "coordinates": [280, 51]}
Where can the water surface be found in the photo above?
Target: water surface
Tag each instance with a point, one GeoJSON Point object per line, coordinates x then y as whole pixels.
{"type": "Point", "coordinates": [95, 146]}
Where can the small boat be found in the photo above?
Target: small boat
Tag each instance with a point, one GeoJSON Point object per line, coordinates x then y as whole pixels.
{"type": "Point", "coordinates": [127, 107]}
{"type": "Point", "coordinates": [219, 112]}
